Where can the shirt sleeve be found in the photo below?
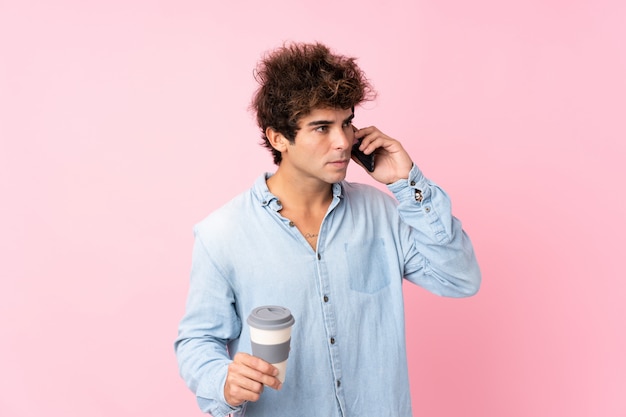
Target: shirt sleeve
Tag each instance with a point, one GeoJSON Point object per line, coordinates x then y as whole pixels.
{"type": "Point", "coordinates": [209, 323]}
{"type": "Point", "coordinates": [439, 255]}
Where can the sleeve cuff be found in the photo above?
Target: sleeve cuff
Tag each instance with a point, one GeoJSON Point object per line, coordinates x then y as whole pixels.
{"type": "Point", "coordinates": [413, 189]}
{"type": "Point", "coordinates": [218, 406]}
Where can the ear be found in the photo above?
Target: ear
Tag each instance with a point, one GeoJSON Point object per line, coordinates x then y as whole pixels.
{"type": "Point", "coordinates": [277, 139]}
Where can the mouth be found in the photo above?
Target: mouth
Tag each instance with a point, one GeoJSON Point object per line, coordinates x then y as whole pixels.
{"type": "Point", "coordinates": [339, 163]}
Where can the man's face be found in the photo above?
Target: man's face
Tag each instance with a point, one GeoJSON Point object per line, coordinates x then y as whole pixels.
{"type": "Point", "coordinates": [321, 150]}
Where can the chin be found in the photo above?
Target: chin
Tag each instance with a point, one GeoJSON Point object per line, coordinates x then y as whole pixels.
{"type": "Point", "coordinates": [337, 178]}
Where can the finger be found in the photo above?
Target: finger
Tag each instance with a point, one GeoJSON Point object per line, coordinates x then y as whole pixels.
{"type": "Point", "coordinates": [236, 394]}
{"type": "Point", "coordinates": [363, 132]}
{"type": "Point", "coordinates": [258, 370]}
{"type": "Point", "coordinates": [255, 362]}
{"type": "Point", "coordinates": [371, 139]}
{"type": "Point", "coordinates": [372, 143]}
{"type": "Point", "coordinates": [239, 387]}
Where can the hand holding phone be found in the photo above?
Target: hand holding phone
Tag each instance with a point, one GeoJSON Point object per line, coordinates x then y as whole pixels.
{"type": "Point", "coordinates": [393, 163]}
{"type": "Point", "coordinates": [366, 160]}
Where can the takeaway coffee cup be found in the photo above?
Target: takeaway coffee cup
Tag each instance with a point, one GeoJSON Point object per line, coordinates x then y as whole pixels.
{"type": "Point", "coordinates": [270, 335]}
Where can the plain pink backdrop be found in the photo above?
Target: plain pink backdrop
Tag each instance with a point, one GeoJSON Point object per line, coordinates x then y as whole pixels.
{"type": "Point", "coordinates": [123, 123]}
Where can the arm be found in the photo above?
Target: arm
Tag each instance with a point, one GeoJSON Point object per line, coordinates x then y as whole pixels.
{"type": "Point", "coordinates": [221, 384]}
{"type": "Point", "coordinates": [438, 254]}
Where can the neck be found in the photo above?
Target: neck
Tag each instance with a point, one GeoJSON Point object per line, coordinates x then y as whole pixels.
{"type": "Point", "coordinates": [300, 194]}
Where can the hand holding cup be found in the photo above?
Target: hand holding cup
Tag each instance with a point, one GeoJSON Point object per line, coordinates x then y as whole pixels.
{"type": "Point", "coordinates": [270, 335]}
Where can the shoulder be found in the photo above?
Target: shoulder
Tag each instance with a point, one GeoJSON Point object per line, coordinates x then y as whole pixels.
{"type": "Point", "coordinates": [356, 192]}
{"type": "Point", "coordinates": [236, 212]}
{"type": "Point", "coordinates": [226, 218]}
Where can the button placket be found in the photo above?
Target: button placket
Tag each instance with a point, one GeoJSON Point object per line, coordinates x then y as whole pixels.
{"type": "Point", "coordinates": [328, 312]}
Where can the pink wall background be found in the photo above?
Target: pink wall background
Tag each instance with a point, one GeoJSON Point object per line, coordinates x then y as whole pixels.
{"type": "Point", "coordinates": [122, 123]}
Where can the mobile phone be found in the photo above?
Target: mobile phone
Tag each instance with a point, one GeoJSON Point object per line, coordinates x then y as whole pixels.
{"type": "Point", "coordinates": [366, 160]}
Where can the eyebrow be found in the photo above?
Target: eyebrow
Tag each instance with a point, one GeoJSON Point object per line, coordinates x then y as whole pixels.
{"type": "Point", "coordinates": [328, 122]}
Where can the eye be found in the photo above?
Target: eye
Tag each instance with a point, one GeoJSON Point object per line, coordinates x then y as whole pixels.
{"type": "Point", "coordinates": [347, 123]}
{"type": "Point", "coordinates": [321, 129]}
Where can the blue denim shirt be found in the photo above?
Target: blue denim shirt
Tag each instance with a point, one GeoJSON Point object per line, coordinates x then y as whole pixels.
{"type": "Point", "coordinates": [348, 355]}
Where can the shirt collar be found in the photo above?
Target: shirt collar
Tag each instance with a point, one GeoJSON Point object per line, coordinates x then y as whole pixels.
{"type": "Point", "coordinates": [266, 198]}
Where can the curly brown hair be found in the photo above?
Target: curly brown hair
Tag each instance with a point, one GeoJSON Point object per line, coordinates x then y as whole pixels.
{"type": "Point", "coordinates": [297, 78]}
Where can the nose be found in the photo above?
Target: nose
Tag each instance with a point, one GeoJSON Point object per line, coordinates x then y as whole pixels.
{"type": "Point", "coordinates": [343, 139]}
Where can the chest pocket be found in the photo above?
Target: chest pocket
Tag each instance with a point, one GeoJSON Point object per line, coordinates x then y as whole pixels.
{"type": "Point", "coordinates": [367, 265]}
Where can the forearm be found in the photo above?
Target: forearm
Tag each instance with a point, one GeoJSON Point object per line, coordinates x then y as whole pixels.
{"type": "Point", "coordinates": [203, 366]}
{"type": "Point", "coordinates": [209, 323]}
{"type": "Point", "coordinates": [439, 254]}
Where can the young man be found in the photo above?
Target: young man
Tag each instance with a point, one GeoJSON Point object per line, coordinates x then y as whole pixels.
{"type": "Point", "coordinates": [334, 253]}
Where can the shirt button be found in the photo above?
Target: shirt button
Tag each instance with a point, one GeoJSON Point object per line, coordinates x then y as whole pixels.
{"type": "Point", "coordinates": [427, 209]}
{"type": "Point", "coordinates": [412, 183]}
{"type": "Point", "coordinates": [332, 340]}
{"type": "Point", "coordinates": [338, 383]}
{"type": "Point", "coordinates": [325, 298]}
{"type": "Point", "coordinates": [319, 257]}
{"type": "Point", "coordinates": [279, 203]}
{"type": "Point", "coordinates": [292, 224]}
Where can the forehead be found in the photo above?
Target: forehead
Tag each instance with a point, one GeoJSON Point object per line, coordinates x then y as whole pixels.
{"type": "Point", "coordinates": [330, 115]}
